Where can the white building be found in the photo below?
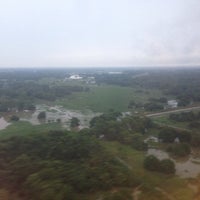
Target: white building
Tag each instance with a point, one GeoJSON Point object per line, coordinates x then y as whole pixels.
{"type": "Point", "coordinates": [75, 77]}
{"type": "Point", "coordinates": [172, 103]}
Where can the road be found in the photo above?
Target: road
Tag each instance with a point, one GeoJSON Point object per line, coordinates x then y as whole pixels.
{"type": "Point", "coordinates": [173, 111]}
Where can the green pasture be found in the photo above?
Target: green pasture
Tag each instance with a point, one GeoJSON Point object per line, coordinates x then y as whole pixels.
{"type": "Point", "coordinates": [105, 97]}
{"type": "Point", "coordinates": [164, 120]}
{"type": "Point", "coordinates": [23, 128]}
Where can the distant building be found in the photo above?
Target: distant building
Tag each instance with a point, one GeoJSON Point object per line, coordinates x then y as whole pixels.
{"type": "Point", "coordinates": [75, 77]}
{"type": "Point", "coordinates": [172, 104]}
{"type": "Point", "coordinates": [114, 72]}
{"type": "Point", "coordinates": [177, 140]}
{"type": "Point", "coordinates": [151, 139]}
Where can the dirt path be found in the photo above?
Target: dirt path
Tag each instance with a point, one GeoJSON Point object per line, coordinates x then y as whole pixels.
{"type": "Point", "coordinates": [136, 193]}
{"type": "Point", "coordinates": [124, 163]}
{"type": "Point", "coordinates": [166, 194]}
{"type": "Point", "coordinates": [195, 189]}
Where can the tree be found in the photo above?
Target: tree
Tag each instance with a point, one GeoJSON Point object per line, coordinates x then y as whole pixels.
{"type": "Point", "coordinates": [75, 122]}
{"type": "Point", "coordinates": [181, 149]}
{"type": "Point", "coordinates": [195, 140]}
{"type": "Point", "coordinates": [138, 143]}
{"type": "Point", "coordinates": [167, 135]}
{"type": "Point", "coordinates": [14, 118]}
{"type": "Point", "coordinates": [167, 166]}
{"type": "Point", "coordinates": [42, 115]}
{"type": "Point", "coordinates": [152, 163]}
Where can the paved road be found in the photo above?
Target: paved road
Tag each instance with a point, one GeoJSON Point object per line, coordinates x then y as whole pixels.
{"type": "Point", "coordinates": [173, 111]}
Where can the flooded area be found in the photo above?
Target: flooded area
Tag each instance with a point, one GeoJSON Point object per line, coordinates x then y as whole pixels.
{"type": "Point", "coordinates": [187, 168]}
{"type": "Point", "coordinates": [58, 113]}
{"type": "Point", "coordinates": [3, 123]}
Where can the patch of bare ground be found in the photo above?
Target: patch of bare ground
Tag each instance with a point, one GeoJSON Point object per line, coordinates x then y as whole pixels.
{"type": "Point", "coordinates": [195, 188]}
{"type": "Point", "coordinates": [136, 193]}
{"type": "Point", "coordinates": [166, 194]}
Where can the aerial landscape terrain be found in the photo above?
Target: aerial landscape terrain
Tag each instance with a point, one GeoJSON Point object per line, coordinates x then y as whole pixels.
{"type": "Point", "coordinates": [100, 134]}
{"type": "Point", "coordinates": [100, 100]}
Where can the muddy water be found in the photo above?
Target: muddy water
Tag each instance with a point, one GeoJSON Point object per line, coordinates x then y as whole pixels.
{"type": "Point", "coordinates": [3, 123]}
{"type": "Point", "coordinates": [187, 168]}
{"type": "Point", "coordinates": [58, 112]}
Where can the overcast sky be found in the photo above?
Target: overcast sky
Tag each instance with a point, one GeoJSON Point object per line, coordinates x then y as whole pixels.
{"type": "Point", "coordinates": [68, 33]}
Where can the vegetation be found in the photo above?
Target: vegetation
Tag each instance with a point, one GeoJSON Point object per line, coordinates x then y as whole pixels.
{"type": "Point", "coordinates": [154, 164]}
{"type": "Point", "coordinates": [181, 149]}
{"type": "Point", "coordinates": [185, 116]}
{"type": "Point", "coordinates": [58, 165]}
{"type": "Point", "coordinates": [75, 122]}
{"type": "Point", "coordinates": [42, 115]}
{"type": "Point", "coordinates": [107, 160]}
{"type": "Point", "coordinates": [127, 130]}
{"type": "Point", "coordinates": [170, 135]}
{"type": "Point", "coordinates": [14, 118]}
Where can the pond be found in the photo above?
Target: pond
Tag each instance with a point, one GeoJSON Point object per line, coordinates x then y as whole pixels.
{"type": "Point", "coordinates": [187, 168]}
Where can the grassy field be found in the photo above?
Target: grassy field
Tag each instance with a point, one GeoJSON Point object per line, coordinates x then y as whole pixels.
{"type": "Point", "coordinates": [164, 120]}
{"type": "Point", "coordinates": [22, 128]}
{"type": "Point", "coordinates": [105, 97]}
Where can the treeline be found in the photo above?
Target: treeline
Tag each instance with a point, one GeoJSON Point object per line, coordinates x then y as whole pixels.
{"type": "Point", "coordinates": [192, 117]}
{"type": "Point", "coordinates": [23, 94]}
{"type": "Point", "coordinates": [179, 141]}
{"type": "Point", "coordinates": [185, 116]}
{"type": "Point", "coordinates": [59, 165]}
{"type": "Point", "coordinates": [153, 104]}
{"type": "Point", "coordinates": [182, 84]}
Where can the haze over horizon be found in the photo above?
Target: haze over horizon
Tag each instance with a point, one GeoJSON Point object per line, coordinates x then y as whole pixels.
{"type": "Point", "coordinates": [89, 33]}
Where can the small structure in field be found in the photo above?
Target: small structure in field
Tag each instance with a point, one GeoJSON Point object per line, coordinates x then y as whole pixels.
{"type": "Point", "coordinates": [172, 104]}
{"type": "Point", "coordinates": [75, 77]}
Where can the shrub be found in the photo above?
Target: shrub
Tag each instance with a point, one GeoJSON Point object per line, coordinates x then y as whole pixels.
{"type": "Point", "coordinates": [42, 115]}
{"type": "Point", "coordinates": [14, 118]}
{"type": "Point", "coordinates": [165, 166]}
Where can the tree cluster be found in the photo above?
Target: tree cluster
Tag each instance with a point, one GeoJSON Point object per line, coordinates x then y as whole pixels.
{"type": "Point", "coordinates": [168, 135]}
{"type": "Point", "coordinates": [185, 116]}
{"type": "Point", "coordinates": [165, 166]}
{"type": "Point", "coordinates": [128, 130]}
{"type": "Point", "coordinates": [181, 149]}
{"type": "Point", "coordinates": [58, 165]}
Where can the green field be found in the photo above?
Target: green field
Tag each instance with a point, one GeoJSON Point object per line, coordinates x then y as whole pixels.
{"type": "Point", "coordinates": [105, 97]}
{"type": "Point", "coordinates": [165, 121]}
{"type": "Point", "coordinates": [23, 128]}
